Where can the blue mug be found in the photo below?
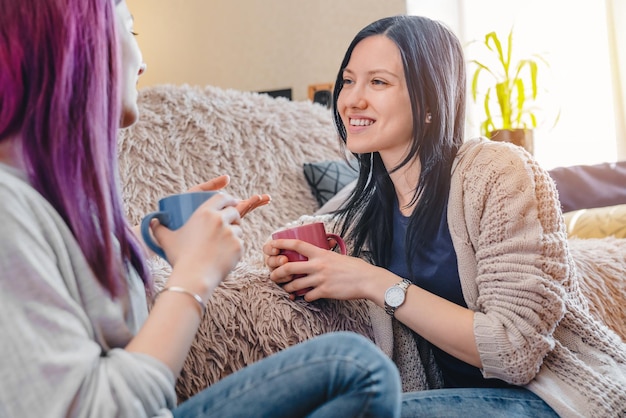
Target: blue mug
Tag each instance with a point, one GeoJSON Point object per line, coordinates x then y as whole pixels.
{"type": "Point", "coordinates": [173, 212]}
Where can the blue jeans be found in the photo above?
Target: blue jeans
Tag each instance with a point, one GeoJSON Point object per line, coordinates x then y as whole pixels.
{"type": "Point", "coordinates": [475, 402]}
{"type": "Point", "coordinates": [334, 375]}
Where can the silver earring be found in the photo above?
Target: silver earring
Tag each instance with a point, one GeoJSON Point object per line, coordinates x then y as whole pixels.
{"type": "Point", "coordinates": [429, 117]}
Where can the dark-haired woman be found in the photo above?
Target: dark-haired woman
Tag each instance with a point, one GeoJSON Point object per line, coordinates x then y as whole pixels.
{"type": "Point", "coordinates": [461, 242]}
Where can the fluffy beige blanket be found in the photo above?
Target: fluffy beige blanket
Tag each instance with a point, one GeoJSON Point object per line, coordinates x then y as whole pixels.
{"type": "Point", "coordinates": [601, 264]}
{"type": "Point", "coordinates": [189, 134]}
{"type": "Point", "coordinates": [186, 135]}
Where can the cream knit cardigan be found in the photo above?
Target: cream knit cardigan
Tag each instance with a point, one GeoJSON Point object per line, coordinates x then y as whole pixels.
{"type": "Point", "coordinates": [532, 326]}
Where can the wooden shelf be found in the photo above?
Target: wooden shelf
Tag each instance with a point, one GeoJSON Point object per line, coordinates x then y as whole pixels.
{"type": "Point", "coordinates": [317, 87]}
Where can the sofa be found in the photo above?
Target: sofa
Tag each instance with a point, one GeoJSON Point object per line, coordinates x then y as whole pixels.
{"type": "Point", "coordinates": [188, 134]}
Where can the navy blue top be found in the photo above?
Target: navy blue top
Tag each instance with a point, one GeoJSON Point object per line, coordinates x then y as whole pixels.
{"type": "Point", "coordinates": [435, 269]}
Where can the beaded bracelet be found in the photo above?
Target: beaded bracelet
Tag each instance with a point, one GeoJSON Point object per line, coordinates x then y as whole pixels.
{"type": "Point", "coordinates": [186, 292]}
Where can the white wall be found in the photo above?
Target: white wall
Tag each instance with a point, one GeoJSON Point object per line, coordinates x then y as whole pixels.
{"type": "Point", "coordinates": [250, 44]}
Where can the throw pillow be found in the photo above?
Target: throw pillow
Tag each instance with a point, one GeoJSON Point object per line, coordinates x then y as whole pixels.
{"type": "Point", "coordinates": [597, 222]}
{"type": "Point", "coordinates": [326, 178]}
{"type": "Point", "coordinates": [337, 200]}
{"type": "Point", "coordinates": [590, 186]}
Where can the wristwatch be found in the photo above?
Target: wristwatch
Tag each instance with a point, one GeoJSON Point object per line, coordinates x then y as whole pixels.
{"type": "Point", "coordinates": [395, 295]}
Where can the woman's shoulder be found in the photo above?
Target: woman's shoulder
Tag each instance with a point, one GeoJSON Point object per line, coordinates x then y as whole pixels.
{"type": "Point", "coordinates": [482, 149]}
{"type": "Point", "coordinates": [24, 211]}
{"type": "Point", "coordinates": [484, 167]}
{"type": "Point", "coordinates": [483, 157]}
{"type": "Point", "coordinates": [17, 195]}
{"type": "Point", "coordinates": [11, 177]}
{"type": "Point", "coordinates": [15, 191]}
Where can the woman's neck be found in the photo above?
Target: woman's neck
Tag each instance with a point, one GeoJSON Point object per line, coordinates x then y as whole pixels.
{"type": "Point", "coordinates": [10, 154]}
{"type": "Point", "coordinates": [405, 181]}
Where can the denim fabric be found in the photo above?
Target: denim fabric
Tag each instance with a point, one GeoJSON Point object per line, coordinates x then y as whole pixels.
{"type": "Point", "coordinates": [475, 402]}
{"type": "Point", "coordinates": [334, 375]}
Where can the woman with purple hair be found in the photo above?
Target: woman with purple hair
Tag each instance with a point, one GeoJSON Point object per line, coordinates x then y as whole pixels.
{"type": "Point", "coordinates": [76, 337]}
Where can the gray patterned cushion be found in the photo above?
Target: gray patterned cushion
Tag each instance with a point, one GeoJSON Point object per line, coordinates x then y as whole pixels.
{"type": "Point", "coordinates": [326, 178]}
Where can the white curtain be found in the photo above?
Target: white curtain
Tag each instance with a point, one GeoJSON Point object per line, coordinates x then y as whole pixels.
{"type": "Point", "coordinates": [616, 10]}
{"type": "Point", "coordinates": [584, 42]}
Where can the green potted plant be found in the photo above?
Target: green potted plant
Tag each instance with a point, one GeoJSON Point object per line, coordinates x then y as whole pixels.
{"type": "Point", "coordinates": [509, 102]}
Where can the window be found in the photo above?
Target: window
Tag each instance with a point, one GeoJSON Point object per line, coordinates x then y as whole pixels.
{"type": "Point", "coordinates": [574, 39]}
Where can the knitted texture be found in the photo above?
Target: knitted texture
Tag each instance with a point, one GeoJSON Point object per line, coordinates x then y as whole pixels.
{"type": "Point", "coordinates": [532, 323]}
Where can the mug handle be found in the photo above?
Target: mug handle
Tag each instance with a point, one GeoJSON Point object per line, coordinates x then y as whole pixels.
{"type": "Point", "coordinates": [147, 236]}
{"type": "Point", "coordinates": [342, 244]}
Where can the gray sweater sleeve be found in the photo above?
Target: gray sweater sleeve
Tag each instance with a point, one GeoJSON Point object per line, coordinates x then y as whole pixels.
{"type": "Point", "coordinates": [61, 335]}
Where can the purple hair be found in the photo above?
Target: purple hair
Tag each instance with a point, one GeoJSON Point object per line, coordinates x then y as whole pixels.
{"type": "Point", "coordinates": [59, 92]}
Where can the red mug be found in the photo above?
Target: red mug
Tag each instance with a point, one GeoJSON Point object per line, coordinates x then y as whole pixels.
{"type": "Point", "coordinates": [315, 234]}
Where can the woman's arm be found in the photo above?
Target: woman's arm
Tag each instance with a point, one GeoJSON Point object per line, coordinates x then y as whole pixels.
{"type": "Point", "coordinates": [337, 276]}
{"type": "Point", "coordinates": [244, 206]}
{"type": "Point", "coordinates": [511, 246]}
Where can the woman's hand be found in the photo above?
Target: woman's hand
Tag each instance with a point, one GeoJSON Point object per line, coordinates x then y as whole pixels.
{"type": "Point", "coordinates": [248, 205]}
{"type": "Point", "coordinates": [244, 206]}
{"type": "Point", "coordinates": [207, 247]}
{"type": "Point", "coordinates": [216, 183]}
{"type": "Point", "coordinates": [330, 274]}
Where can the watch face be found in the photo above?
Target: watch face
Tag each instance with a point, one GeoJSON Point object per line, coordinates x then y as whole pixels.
{"type": "Point", "coordinates": [394, 296]}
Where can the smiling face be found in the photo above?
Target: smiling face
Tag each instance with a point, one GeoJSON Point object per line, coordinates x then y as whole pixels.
{"type": "Point", "coordinates": [374, 102]}
{"type": "Point", "coordinates": [132, 65]}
